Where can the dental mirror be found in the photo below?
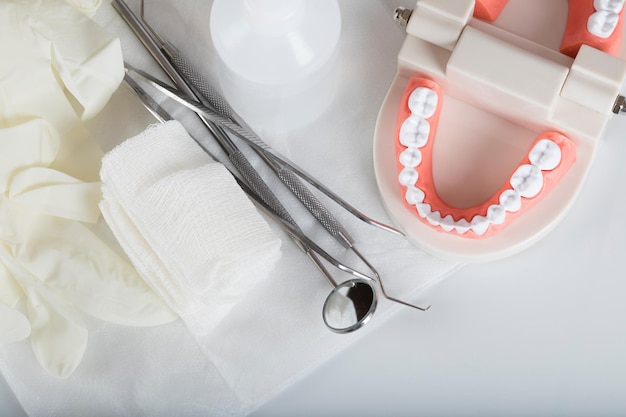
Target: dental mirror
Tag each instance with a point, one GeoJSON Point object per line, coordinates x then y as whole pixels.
{"type": "Point", "coordinates": [349, 306]}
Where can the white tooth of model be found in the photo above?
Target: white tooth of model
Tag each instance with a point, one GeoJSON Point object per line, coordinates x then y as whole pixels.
{"type": "Point", "coordinates": [545, 155]}
{"type": "Point", "coordinates": [496, 214]}
{"type": "Point", "coordinates": [414, 132]}
{"type": "Point", "coordinates": [434, 218]}
{"type": "Point", "coordinates": [411, 158]}
{"type": "Point", "coordinates": [511, 201]}
{"type": "Point", "coordinates": [479, 225]}
{"type": "Point", "coordinates": [414, 195]}
{"type": "Point", "coordinates": [447, 223]}
{"type": "Point", "coordinates": [408, 177]}
{"type": "Point", "coordinates": [602, 23]}
{"type": "Point", "coordinates": [423, 209]}
{"type": "Point", "coordinates": [614, 6]}
{"type": "Point", "coordinates": [423, 102]}
{"type": "Point", "coordinates": [527, 180]}
{"type": "Point", "coordinates": [462, 226]}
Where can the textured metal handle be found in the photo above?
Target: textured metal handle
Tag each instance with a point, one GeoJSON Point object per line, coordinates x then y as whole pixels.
{"type": "Point", "coordinates": [256, 183]}
{"type": "Point", "coordinates": [206, 90]}
{"type": "Point", "coordinates": [253, 140]}
{"type": "Point", "coordinates": [315, 207]}
{"type": "Point", "coordinates": [303, 194]}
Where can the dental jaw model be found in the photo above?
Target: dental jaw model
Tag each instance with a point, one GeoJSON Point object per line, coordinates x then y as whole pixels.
{"type": "Point", "coordinates": [485, 137]}
{"type": "Point", "coordinates": [550, 157]}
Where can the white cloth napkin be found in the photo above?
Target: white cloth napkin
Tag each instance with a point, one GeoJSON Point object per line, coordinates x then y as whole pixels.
{"type": "Point", "coordinates": [186, 225]}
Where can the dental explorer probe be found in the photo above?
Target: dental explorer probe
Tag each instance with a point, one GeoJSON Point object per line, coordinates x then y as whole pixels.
{"type": "Point", "coordinates": [240, 132]}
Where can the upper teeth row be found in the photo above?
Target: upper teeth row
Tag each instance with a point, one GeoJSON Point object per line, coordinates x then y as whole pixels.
{"type": "Point", "coordinates": [604, 21]}
{"type": "Point", "coordinates": [526, 181]}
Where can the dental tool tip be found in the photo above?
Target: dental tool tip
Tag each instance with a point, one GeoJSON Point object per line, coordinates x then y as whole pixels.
{"type": "Point", "coordinates": [417, 307]}
{"type": "Point", "coordinates": [405, 303]}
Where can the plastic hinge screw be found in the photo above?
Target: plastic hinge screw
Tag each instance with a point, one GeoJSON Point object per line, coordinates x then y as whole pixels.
{"type": "Point", "coordinates": [402, 15]}
{"type": "Point", "coordinates": [620, 105]}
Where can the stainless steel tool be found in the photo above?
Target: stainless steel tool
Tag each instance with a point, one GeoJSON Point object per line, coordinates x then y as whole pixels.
{"type": "Point", "coordinates": [351, 304]}
{"type": "Point", "coordinates": [210, 96]}
{"type": "Point", "coordinates": [194, 87]}
{"type": "Point", "coordinates": [241, 132]}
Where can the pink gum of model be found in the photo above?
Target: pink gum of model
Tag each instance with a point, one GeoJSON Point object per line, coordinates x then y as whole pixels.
{"type": "Point", "coordinates": [427, 184]}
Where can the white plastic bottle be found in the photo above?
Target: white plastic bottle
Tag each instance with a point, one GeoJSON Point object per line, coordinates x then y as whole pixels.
{"type": "Point", "coordinates": [276, 59]}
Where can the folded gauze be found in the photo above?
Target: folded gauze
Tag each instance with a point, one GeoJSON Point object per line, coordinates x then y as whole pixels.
{"type": "Point", "coordinates": [186, 225]}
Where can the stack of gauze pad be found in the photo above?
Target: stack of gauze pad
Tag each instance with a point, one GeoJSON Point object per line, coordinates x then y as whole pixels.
{"type": "Point", "coordinates": [186, 225]}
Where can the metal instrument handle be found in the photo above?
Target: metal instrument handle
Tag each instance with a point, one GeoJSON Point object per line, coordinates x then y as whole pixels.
{"type": "Point", "coordinates": [315, 207]}
{"type": "Point", "coordinates": [214, 99]}
{"type": "Point", "coordinates": [260, 188]}
{"type": "Point", "coordinates": [206, 90]}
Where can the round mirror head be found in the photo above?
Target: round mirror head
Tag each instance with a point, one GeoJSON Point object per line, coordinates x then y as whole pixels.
{"type": "Point", "coordinates": [349, 306]}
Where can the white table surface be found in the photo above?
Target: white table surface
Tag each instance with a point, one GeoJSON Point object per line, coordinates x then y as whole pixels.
{"type": "Point", "coordinates": [540, 333]}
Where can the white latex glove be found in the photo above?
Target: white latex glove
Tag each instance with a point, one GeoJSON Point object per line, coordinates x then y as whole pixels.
{"type": "Point", "coordinates": [58, 337]}
{"type": "Point", "coordinates": [14, 326]}
{"type": "Point", "coordinates": [57, 262]}
{"type": "Point", "coordinates": [58, 68]}
{"type": "Point", "coordinates": [89, 7]}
